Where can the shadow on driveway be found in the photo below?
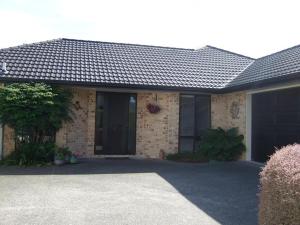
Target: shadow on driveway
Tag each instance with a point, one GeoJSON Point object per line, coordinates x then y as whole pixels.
{"type": "Point", "coordinates": [226, 192]}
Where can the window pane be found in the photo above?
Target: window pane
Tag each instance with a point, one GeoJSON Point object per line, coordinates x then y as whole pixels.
{"type": "Point", "coordinates": [131, 124]}
{"type": "Point", "coordinates": [99, 122]}
{"type": "Point", "coordinates": [202, 114]}
{"type": "Point", "coordinates": [194, 120]}
{"type": "Point", "coordinates": [186, 144]}
{"type": "Point", "coordinates": [99, 111]}
{"type": "Point", "coordinates": [187, 114]}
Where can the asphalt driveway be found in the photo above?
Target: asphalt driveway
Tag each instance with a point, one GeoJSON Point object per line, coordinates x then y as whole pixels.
{"type": "Point", "coordinates": [130, 192]}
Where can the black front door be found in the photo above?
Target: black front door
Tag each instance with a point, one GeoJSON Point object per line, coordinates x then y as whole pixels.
{"type": "Point", "coordinates": [115, 123]}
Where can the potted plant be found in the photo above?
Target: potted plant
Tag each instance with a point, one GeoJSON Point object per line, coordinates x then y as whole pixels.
{"type": "Point", "coordinates": [59, 158]}
{"type": "Point", "coordinates": [67, 154]}
{"type": "Point", "coordinates": [73, 159]}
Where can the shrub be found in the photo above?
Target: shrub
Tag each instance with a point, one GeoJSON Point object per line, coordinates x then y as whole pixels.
{"type": "Point", "coordinates": [280, 188]}
{"type": "Point", "coordinates": [31, 154]}
{"type": "Point", "coordinates": [187, 157]}
{"type": "Point", "coordinates": [222, 145]}
{"type": "Point", "coordinates": [34, 110]}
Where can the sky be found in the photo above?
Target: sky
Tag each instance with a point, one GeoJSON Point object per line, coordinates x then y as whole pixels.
{"type": "Point", "coordinates": [250, 27]}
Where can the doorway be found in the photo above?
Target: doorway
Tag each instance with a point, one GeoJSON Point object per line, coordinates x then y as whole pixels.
{"type": "Point", "coordinates": [115, 130]}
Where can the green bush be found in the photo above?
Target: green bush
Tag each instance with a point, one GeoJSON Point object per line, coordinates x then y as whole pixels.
{"type": "Point", "coordinates": [29, 154]}
{"type": "Point", "coordinates": [279, 198]}
{"type": "Point", "coordinates": [187, 157]}
{"type": "Point", "coordinates": [34, 110]}
{"type": "Point", "coordinates": [222, 145]}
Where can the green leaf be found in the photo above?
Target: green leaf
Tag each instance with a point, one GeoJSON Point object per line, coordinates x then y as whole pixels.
{"type": "Point", "coordinates": [223, 145]}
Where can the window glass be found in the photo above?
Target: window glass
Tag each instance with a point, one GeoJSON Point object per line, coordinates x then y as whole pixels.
{"type": "Point", "coordinates": [194, 120]}
{"type": "Point", "coordinates": [187, 111]}
{"type": "Point", "coordinates": [202, 114]}
{"type": "Point", "coordinates": [99, 111]}
{"type": "Point", "coordinates": [99, 122]}
{"type": "Point", "coordinates": [186, 144]}
{"type": "Point", "coordinates": [131, 123]}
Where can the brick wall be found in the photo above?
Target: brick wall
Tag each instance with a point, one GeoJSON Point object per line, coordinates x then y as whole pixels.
{"type": "Point", "coordinates": [157, 132]}
{"type": "Point", "coordinates": [8, 140]}
{"type": "Point", "coordinates": [229, 110]}
{"type": "Point", "coordinates": [79, 134]}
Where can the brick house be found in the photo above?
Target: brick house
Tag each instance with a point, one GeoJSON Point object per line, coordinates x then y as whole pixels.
{"type": "Point", "coordinates": [113, 85]}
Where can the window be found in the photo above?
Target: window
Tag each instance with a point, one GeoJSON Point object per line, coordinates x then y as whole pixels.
{"type": "Point", "coordinates": [194, 120]}
{"type": "Point", "coordinates": [99, 122]}
{"type": "Point", "coordinates": [131, 123]}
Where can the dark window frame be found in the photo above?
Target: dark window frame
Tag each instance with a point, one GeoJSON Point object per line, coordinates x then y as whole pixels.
{"type": "Point", "coordinates": [133, 151]}
{"type": "Point", "coordinates": [194, 137]}
{"type": "Point", "coordinates": [97, 152]}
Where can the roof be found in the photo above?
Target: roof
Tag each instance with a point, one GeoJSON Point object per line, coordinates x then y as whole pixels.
{"type": "Point", "coordinates": [107, 64]}
{"type": "Point", "coordinates": [278, 66]}
{"type": "Point", "coordinates": [122, 65]}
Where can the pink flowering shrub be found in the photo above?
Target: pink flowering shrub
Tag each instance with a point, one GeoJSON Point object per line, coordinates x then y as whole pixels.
{"type": "Point", "coordinates": [280, 188]}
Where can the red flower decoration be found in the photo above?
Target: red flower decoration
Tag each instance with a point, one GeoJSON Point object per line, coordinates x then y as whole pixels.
{"type": "Point", "coordinates": [153, 108]}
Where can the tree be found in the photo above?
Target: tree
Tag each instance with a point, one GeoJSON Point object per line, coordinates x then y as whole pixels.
{"type": "Point", "coordinates": [34, 110]}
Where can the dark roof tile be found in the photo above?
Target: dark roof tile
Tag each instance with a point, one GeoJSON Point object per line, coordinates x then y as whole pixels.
{"type": "Point", "coordinates": [275, 66]}
{"type": "Point", "coordinates": [123, 64]}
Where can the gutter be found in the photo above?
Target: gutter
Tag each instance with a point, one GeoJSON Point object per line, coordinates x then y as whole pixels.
{"type": "Point", "coordinates": [106, 85]}
{"type": "Point", "coordinates": [263, 83]}
{"type": "Point", "coordinates": [224, 90]}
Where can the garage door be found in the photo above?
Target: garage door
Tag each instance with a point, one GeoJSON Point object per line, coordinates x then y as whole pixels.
{"type": "Point", "coordinates": [275, 121]}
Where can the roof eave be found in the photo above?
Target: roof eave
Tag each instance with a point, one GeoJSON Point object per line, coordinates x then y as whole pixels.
{"type": "Point", "coordinates": [263, 83]}
{"type": "Point", "coordinates": [110, 85]}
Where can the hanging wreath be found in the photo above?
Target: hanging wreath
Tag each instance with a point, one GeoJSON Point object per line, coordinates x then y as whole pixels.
{"type": "Point", "coordinates": [153, 108]}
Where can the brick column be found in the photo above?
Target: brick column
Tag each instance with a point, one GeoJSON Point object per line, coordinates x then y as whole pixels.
{"type": "Point", "coordinates": [8, 140]}
{"type": "Point", "coordinates": [157, 132]}
{"type": "Point", "coordinates": [91, 123]}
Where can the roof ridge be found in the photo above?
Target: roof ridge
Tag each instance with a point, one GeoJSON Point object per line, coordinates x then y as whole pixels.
{"type": "Point", "coordinates": [223, 50]}
{"type": "Point", "coordinates": [237, 76]}
{"type": "Point", "coordinates": [120, 43]}
{"type": "Point", "coordinates": [28, 44]}
{"type": "Point", "coordinates": [283, 50]}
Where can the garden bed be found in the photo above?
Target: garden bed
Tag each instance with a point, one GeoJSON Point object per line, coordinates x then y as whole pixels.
{"type": "Point", "coordinates": [187, 157]}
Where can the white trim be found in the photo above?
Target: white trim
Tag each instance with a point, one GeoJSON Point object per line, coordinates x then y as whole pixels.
{"type": "Point", "coordinates": [248, 126]}
{"type": "Point", "coordinates": [274, 88]}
